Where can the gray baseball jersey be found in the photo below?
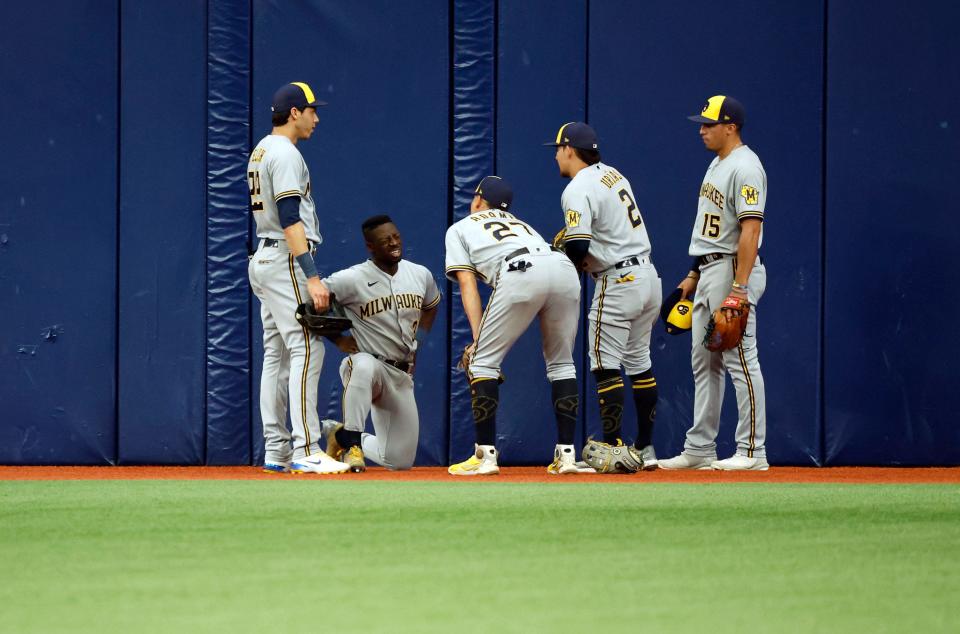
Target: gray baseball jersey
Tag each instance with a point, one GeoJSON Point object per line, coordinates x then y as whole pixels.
{"type": "Point", "coordinates": [480, 241]}
{"type": "Point", "coordinates": [277, 170]}
{"type": "Point", "coordinates": [733, 189]}
{"type": "Point", "coordinates": [529, 280]}
{"type": "Point", "coordinates": [599, 205]}
{"type": "Point", "coordinates": [385, 310]}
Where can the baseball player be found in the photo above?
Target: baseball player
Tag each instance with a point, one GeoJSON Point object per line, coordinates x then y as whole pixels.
{"type": "Point", "coordinates": [606, 236]}
{"type": "Point", "coordinates": [726, 236]}
{"type": "Point", "coordinates": [529, 279]}
{"type": "Point", "coordinates": [392, 303]}
{"type": "Point", "coordinates": [282, 273]}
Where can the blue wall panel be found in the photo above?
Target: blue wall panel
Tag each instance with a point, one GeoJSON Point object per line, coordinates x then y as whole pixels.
{"type": "Point", "coordinates": [381, 147]}
{"type": "Point", "coordinates": [228, 397]}
{"type": "Point", "coordinates": [892, 158]}
{"type": "Point", "coordinates": [473, 157]}
{"type": "Point", "coordinates": [650, 67]}
{"type": "Point", "coordinates": [540, 87]}
{"type": "Point", "coordinates": [58, 214]}
{"type": "Point", "coordinates": [162, 232]}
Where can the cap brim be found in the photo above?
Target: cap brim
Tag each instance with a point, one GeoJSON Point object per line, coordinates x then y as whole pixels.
{"type": "Point", "coordinates": [699, 119]}
{"type": "Point", "coordinates": [316, 103]}
{"type": "Point", "coordinates": [553, 144]}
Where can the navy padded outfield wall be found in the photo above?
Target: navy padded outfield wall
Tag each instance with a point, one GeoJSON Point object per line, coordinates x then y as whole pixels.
{"type": "Point", "coordinates": [163, 105]}
{"type": "Point", "coordinates": [540, 86]}
{"type": "Point", "coordinates": [128, 333]}
{"type": "Point", "coordinates": [474, 70]}
{"type": "Point", "coordinates": [381, 147]}
{"type": "Point", "coordinates": [229, 437]}
{"type": "Point", "coordinates": [58, 218]}
{"type": "Point", "coordinates": [641, 89]}
{"type": "Point", "coordinates": [893, 155]}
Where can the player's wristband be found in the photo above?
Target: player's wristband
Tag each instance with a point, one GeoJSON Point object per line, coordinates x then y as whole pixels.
{"type": "Point", "coordinates": [307, 265]}
{"type": "Point", "coordinates": [739, 287]}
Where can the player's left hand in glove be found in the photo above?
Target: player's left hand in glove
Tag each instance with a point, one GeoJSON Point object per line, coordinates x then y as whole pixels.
{"type": "Point", "coordinates": [727, 324]}
{"type": "Point", "coordinates": [607, 458]}
{"type": "Point", "coordinates": [329, 324]}
{"type": "Point", "coordinates": [560, 239]}
{"type": "Point", "coordinates": [467, 357]}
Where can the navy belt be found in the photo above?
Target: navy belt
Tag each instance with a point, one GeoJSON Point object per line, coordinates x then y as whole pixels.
{"type": "Point", "coordinates": [273, 242]}
{"type": "Point", "coordinates": [526, 251]}
{"type": "Point", "coordinates": [634, 261]}
{"type": "Point", "coordinates": [703, 260]}
{"type": "Point", "coordinates": [403, 366]}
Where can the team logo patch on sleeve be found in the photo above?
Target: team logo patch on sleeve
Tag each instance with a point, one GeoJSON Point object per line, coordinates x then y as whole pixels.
{"type": "Point", "coordinates": [749, 194]}
{"type": "Point", "coordinates": [573, 218]}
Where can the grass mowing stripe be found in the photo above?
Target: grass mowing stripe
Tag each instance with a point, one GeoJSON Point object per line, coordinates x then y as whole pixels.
{"type": "Point", "coordinates": [154, 556]}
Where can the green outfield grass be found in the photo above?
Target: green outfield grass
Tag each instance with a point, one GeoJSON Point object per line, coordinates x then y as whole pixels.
{"type": "Point", "coordinates": [296, 555]}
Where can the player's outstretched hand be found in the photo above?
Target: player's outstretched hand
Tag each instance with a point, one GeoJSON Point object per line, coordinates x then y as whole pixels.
{"type": "Point", "coordinates": [319, 293]}
{"type": "Point", "coordinates": [688, 286]}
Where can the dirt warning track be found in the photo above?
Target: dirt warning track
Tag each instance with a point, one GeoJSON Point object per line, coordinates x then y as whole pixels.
{"type": "Point", "coordinates": [825, 475]}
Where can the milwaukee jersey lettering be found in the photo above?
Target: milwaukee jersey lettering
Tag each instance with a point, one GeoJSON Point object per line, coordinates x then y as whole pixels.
{"type": "Point", "coordinates": [385, 309]}
{"type": "Point", "coordinates": [733, 189]}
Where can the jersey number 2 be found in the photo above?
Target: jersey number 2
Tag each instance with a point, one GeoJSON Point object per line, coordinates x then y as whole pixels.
{"type": "Point", "coordinates": [632, 212]}
{"type": "Point", "coordinates": [253, 179]}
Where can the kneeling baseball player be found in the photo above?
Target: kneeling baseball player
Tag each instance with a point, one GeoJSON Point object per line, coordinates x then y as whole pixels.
{"type": "Point", "coordinates": [529, 279]}
{"type": "Point", "coordinates": [392, 302]}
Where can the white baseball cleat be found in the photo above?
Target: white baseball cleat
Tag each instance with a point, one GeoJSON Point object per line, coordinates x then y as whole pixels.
{"type": "Point", "coordinates": [649, 458]}
{"type": "Point", "coordinates": [741, 463]}
{"type": "Point", "coordinates": [686, 461]}
{"type": "Point", "coordinates": [318, 462]}
{"type": "Point", "coordinates": [482, 462]}
{"type": "Point", "coordinates": [565, 461]}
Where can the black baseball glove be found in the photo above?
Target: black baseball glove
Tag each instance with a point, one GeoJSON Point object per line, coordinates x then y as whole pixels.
{"type": "Point", "coordinates": [329, 324]}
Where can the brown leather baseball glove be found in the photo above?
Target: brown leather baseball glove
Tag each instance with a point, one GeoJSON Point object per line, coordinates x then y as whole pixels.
{"type": "Point", "coordinates": [727, 324]}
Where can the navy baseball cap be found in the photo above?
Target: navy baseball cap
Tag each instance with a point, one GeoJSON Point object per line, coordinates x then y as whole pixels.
{"type": "Point", "coordinates": [575, 134]}
{"type": "Point", "coordinates": [495, 191]}
{"type": "Point", "coordinates": [294, 95]}
{"type": "Point", "coordinates": [720, 109]}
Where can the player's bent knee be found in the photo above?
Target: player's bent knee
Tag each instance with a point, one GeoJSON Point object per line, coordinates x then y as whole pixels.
{"type": "Point", "coordinates": [362, 365]}
{"type": "Point", "coordinates": [395, 462]}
